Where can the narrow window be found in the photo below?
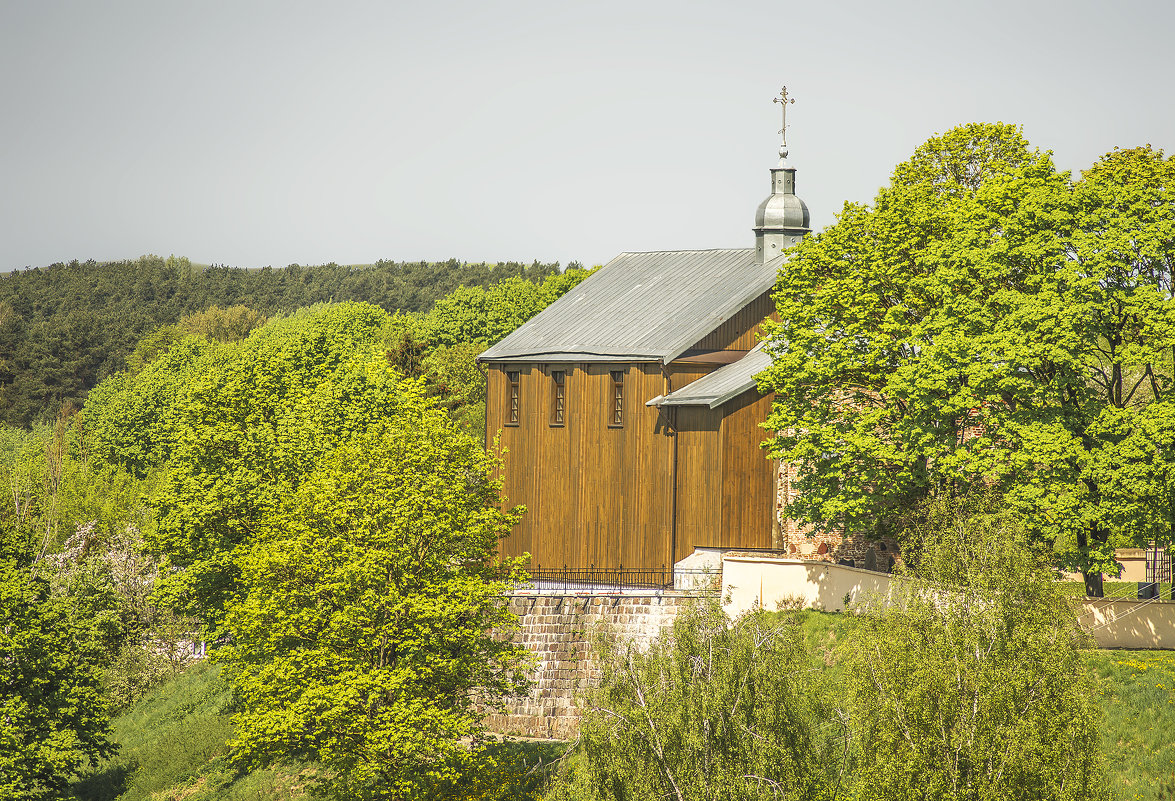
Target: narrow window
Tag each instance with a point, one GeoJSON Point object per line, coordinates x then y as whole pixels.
{"type": "Point", "coordinates": [617, 398]}
{"type": "Point", "coordinates": [558, 396]}
{"type": "Point", "coordinates": [512, 416]}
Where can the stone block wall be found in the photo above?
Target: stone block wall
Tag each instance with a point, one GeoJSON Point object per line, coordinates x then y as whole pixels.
{"type": "Point", "coordinates": [802, 542]}
{"type": "Point", "coordinates": [559, 630]}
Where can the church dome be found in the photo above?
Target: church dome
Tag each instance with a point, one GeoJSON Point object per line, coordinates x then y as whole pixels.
{"type": "Point", "coordinates": [782, 211]}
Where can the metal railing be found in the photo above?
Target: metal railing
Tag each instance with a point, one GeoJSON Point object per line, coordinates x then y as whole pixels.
{"type": "Point", "coordinates": [1158, 564]}
{"type": "Point", "coordinates": [588, 579]}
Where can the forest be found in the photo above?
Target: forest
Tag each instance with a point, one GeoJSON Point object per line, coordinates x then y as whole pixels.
{"type": "Point", "coordinates": [65, 327]}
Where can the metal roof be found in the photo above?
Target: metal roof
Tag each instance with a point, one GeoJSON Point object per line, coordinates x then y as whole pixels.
{"type": "Point", "coordinates": [725, 383]}
{"type": "Point", "coordinates": [641, 307]}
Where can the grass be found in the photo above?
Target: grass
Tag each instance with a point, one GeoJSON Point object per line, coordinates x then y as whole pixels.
{"type": "Point", "coordinates": [1137, 694]}
{"type": "Point", "coordinates": [1111, 589]}
{"type": "Point", "coordinates": [172, 748]}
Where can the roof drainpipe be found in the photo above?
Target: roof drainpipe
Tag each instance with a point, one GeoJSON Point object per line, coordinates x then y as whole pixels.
{"type": "Point", "coordinates": [671, 425]}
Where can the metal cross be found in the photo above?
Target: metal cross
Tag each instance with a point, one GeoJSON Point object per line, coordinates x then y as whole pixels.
{"type": "Point", "coordinates": [783, 100]}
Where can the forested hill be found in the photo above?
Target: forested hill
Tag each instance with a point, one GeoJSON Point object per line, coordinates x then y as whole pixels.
{"type": "Point", "coordinates": [65, 327]}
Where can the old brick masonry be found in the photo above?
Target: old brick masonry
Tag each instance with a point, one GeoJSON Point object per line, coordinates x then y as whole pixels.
{"type": "Point", "coordinates": [558, 630]}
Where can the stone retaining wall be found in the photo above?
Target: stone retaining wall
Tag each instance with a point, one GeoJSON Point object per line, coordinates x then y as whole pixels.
{"type": "Point", "coordinates": [558, 629]}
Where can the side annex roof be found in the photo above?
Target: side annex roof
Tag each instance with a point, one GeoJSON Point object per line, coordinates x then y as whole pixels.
{"type": "Point", "coordinates": [720, 386]}
{"type": "Point", "coordinates": [641, 307]}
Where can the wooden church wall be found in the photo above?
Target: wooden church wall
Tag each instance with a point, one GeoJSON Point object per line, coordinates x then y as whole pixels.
{"type": "Point", "coordinates": [725, 482]}
{"type": "Point", "coordinates": [748, 485]}
{"type": "Point", "coordinates": [740, 332]}
{"type": "Point", "coordinates": [596, 494]}
{"type": "Point", "coordinates": [699, 478]}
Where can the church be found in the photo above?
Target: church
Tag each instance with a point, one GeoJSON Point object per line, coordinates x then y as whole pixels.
{"type": "Point", "coordinates": [626, 413]}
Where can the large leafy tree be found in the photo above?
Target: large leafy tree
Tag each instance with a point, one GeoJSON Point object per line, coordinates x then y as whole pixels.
{"type": "Point", "coordinates": [249, 426]}
{"type": "Point", "coordinates": [986, 322]}
{"type": "Point", "coordinates": [363, 639]}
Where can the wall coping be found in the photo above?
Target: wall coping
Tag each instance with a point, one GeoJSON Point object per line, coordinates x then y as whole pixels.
{"type": "Point", "coordinates": [617, 593]}
{"type": "Point", "coordinates": [1102, 603]}
{"type": "Point", "coordinates": [809, 563]}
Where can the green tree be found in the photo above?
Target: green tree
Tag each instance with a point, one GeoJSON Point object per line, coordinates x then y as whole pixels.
{"type": "Point", "coordinates": [459, 316]}
{"type": "Point", "coordinates": [131, 420]}
{"type": "Point", "coordinates": [967, 331]}
{"type": "Point", "coordinates": [969, 683]}
{"type": "Point", "coordinates": [1125, 241]}
{"type": "Point", "coordinates": [249, 426]}
{"type": "Point", "coordinates": [364, 640]}
{"type": "Point", "coordinates": [453, 377]}
{"type": "Point", "coordinates": [473, 315]}
{"type": "Point", "coordinates": [718, 711]}
{"type": "Point", "coordinates": [215, 324]}
{"type": "Point", "coordinates": [52, 714]}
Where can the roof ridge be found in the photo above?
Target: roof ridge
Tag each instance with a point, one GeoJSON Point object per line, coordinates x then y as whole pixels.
{"type": "Point", "coordinates": [683, 250]}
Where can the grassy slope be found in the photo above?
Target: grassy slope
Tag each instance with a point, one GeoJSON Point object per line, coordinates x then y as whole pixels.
{"type": "Point", "coordinates": [172, 747]}
{"type": "Point", "coordinates": [173, 740]}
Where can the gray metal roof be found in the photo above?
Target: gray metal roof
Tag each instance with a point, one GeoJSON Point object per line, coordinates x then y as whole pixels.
{"type": "Point", "coordinates": [716, 388]}
{"type": "Point", "coordinates": [641, 307]}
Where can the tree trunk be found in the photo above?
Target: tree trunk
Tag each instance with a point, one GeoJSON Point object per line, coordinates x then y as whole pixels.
{"type": "Point", "coordinates": [1093, 584]}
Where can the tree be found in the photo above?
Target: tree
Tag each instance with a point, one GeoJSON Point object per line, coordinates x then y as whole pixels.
{"type": "Point", "coordinates": [215, 324]}
{"type": "Point", "coordinates": [363, 639]}
{"type": "Point", "coordinates": [718, 711]}
{"type": "Point", "coordinates": [966, 332]}
{"type": "Point", "coordinates": [473, 315]}
{"type": "Point", "coordinates": [969, 684]}
{"type": "Point", "coordinates": [1125, 241]}
{"type": "Point", "coordinates": [248, 427]}
{"type": "Point", "coordinates": [52, 713]}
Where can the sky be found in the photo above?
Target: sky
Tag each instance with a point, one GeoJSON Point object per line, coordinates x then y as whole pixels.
{"type": "Point", "coordinates": [267, 133]}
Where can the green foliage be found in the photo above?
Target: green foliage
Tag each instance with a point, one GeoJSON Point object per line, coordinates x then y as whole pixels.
{"type": "Point", "coordinates": [65, 327]}
{"type": "Point", "coordinates": [363, 638]}
{"type": "Point", "coordinates": [484, 316]}
{"type": "Point", "coordinates": [505, 770]}
{"type": "Point", "coordinates": [969, 684]}
{"type": "Point", "coordinates": [719, 710]}
{"type": "Point", "coordinates": [52, 714]}
{"type": "Point", "coordinates": [81, 523]}
{"type": "Point", "coordinates": [246, 424]}
{"type": "Point", "coordinates": [987, 322]}
{"type": "Point", "coordinates": [222, 325]}
{"type": "Point", "coordinates": [131, 419]}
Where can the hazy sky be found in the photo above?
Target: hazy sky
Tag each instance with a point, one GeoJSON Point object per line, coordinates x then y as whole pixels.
{"type": "Point", "coordinates": [254, 133]}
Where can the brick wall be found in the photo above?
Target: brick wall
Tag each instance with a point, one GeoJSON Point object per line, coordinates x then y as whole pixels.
{"type": "Point", "coordinates": [801, 541]}
{"type": "Point", "coordinates": [558, 629]}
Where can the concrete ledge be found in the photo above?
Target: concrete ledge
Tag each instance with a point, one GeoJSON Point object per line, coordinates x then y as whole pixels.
{"type": "Point", "coordinates": [1128, 623]}
{"type": "Point", "coordinates": [751, 580]}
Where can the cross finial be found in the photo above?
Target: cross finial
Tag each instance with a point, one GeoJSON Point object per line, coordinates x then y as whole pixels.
{"type": "Point", "coordinates": [783, 100]}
